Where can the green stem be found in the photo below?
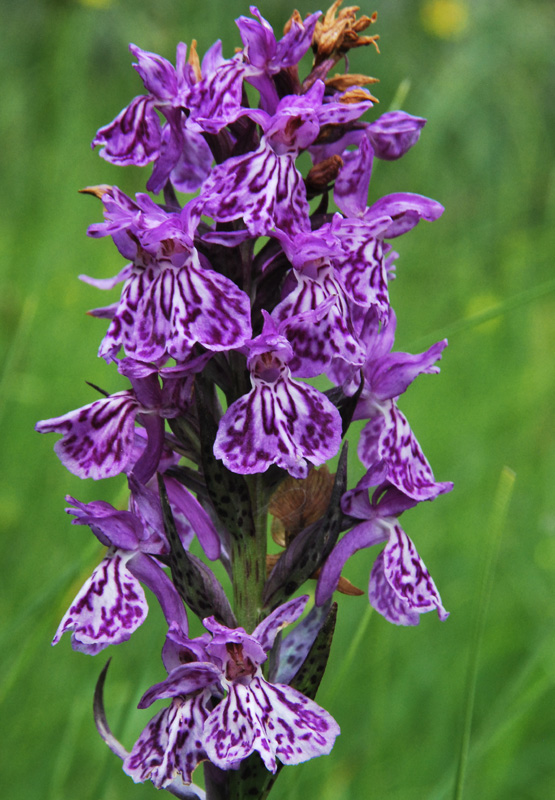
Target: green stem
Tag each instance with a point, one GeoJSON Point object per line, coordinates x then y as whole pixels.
{"type": "Point", "coordinates": [248, 560]}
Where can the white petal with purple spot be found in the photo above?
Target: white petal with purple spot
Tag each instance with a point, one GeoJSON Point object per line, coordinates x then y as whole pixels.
{"type": "Point", "coordinates": [276, 720]}
{"type": "Point", "coordinates": [170, 745]}
{"type": "Point", "coordinates": [107, 609]}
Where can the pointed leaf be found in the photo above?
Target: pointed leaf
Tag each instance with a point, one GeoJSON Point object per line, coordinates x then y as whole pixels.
{"type": "Point", "coordinates": [308, 678]}
{"type": "Point", "coordinates": [100, 716]}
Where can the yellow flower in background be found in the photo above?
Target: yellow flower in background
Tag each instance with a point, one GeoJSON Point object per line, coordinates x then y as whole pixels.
{"type": "Point", "coordinates": [446, 19]}
{"type": "Point", "coordinates": [95, 3]}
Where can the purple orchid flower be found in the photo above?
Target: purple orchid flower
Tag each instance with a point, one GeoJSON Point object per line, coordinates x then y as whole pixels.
{"type": "Point", "coordinates": [136, 136]}
{"type": "Point", "coordinates": [98, 440]}
{"type": "Point", "coordinates": [387, 445]}
{"type": "Point", "coordinates": [400, 587]}
{"type": "Point", "coordinates": [251, 714]}
{"type": "Point", "coordinates": [314, 313]}
{"type": "Point", "coordinates": [211, 101]}
{"type": "Point", "coordinates": [265, 57]}
{"type": "Point", "coordinates": [171, 298]}
{"type": "Point", "coordinates": [280, 421]}
{"type": "Point", "coordinates": [264, 187]}
{"type": "Point", "coordinates": [111, 604]}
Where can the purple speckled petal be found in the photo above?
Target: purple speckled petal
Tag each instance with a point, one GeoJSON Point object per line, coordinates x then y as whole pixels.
{"type": "Point", "coordinates": [216, 100]}
{"type": "Point", "coordinates": [352, 184]}
{"type": "Point", "coordinates": [182, 680]}
{"type": "Point", "coordinates": [294, 44]}
{"type": "Point", "coordinates": [275, 720]}
{"type": "Point", "coordinates": [262, 188]}
{"type": "Point", "coordinates": [97, 439]}
{"type": "Point", "coordinates": [406, 210]}
{"type": "Point", "coordinates": [408, 577]}
{"type": "Point", "coordinates": [193, 165]}
{"type": "Point", "coordinates": [188, 305]}
{"type": "Point", "coordinates": [107, 609]}
{"type": "Point", "coordinates": [284, 615]}
{"type": "Point", "coordinates": [364, 535]}
{"type": "Point", "coordinates": [333, 113]}
{"type": "Point", "coordinates": [133, 137]}
{"type": "Point", "coordinates": [170, 745]}
{"type": "Point", "coordinates": [394, 374]}
{"type": "Point", "coordinates": [317, 343]}
{"type": "Point", "coordinates": [362, 269]}
{"type": "Point", "coordinates": [386, 601]}
{"type": "Point", "coordinates": [171, 150]}
{"type": "Point", "coordinates": [121, 330]}
{"type": "Point", "coordinates": [394, 133]}
{"type": "Point", "coordinates": [285, 423]}
{"type": "Point", "coordinates": [157, 74]}
{"type": "Point", "coordinates": [388, 437]}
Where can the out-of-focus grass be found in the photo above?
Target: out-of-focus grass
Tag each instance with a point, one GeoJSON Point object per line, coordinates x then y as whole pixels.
{"type": "Point", "coordinates": [482, 73]}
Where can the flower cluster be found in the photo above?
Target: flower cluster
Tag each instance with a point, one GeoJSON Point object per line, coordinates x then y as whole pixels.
{"type": "Point", "coordinates": [241, 285]}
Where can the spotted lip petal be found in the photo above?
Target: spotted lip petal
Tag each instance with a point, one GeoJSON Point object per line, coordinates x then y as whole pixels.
{"type": "Point", "coordinates": [284, 615]}
{"type": "Point", "coordinates": [388, 438]}
{"type": "Point", "coordinates": [317, 343]}
{"type": "Point", "coordinates": [276, 720]}
{"type": "Point", "coordinates": [170, 745]}
{"type": "Point", "coordinates": [408, 589]}
{"type": "Point", "coordinates": [97, 439]}
{"type": "Point", "coordinates": [107, 609]}
{"type": "Point", "coordinates": [262, 188]}
{"type": "Point", "coordinates": [164, 310]}
{"type": "Point", "coordinates": [275, 424]}
{"type": "Point", "coordinates": [133, 137]}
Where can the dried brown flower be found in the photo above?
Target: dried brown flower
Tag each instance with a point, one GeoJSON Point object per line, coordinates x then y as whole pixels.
{"type": "Point", "coordinates": [337, 33]}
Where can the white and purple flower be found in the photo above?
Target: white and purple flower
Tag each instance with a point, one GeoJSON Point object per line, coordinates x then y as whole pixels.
{"type": "Point", "coordinates": [224, 709]}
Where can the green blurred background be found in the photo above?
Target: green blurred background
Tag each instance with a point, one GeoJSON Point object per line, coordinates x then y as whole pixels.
{"type": "Point", "coordinates": [483, 74]}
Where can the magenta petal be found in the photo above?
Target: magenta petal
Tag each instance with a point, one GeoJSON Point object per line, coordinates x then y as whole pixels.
{"type": "Point", "coordinates": [97, 439]}
{"type": "Point", "coordinates": [169, 745]}
{"type": "Point", "coordinates": [148, 570]}
{"type": "Point", "coordinates": [189, 305]}
{"type": "Point", "coordinates": [395, 372]}
{"type": "Point", "coordinates": [262, 188]}
{"type": "Point", "coordinates": [185, 504]}
{"type": "Point", "coordinates": [406, 211]}
{"type": "Point", "coordinates": [317, 342]}
{"type": "Point", "coordinates": [157, 74]}
{"type": "Point", "coordinates": [352, 183]}
{"type": "Point", "coordinates": [107, 609]}
{"type": "Point", "coordinates": [388, 437]}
